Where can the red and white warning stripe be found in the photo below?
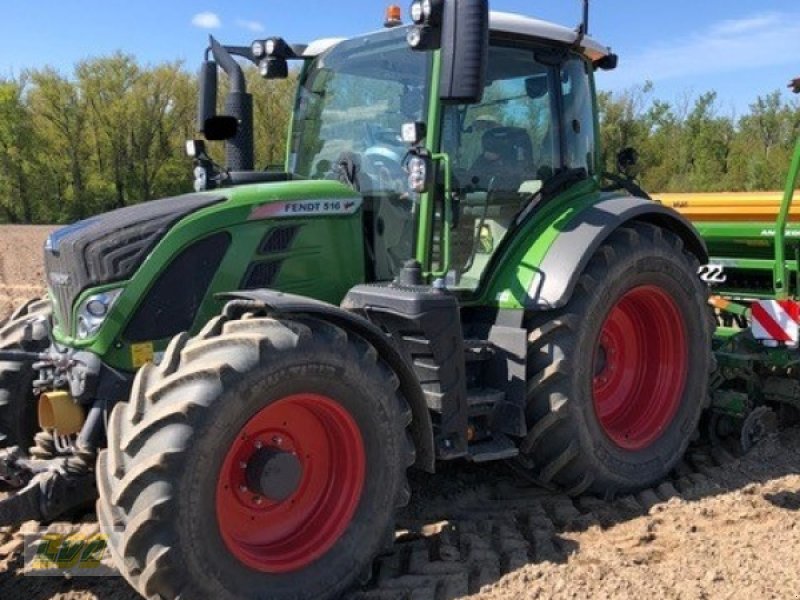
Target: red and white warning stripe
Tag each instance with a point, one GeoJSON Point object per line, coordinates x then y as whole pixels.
{"type": "Point", "coordinates": [776, 320]}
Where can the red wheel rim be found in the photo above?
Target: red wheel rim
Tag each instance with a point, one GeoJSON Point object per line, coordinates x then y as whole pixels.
{"type": "Point", "coordinates": [640, 367]}
{"type": "Point", "coordinates": [280, 536]}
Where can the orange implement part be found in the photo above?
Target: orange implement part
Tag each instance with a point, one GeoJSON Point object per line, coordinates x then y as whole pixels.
{"type": "Point", "coordinates": [734, 206]}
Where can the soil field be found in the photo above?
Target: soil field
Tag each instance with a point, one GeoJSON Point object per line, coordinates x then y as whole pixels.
{"type": "Point", "coordinates": [720, 527]}
{"type": "Point", "coordinates": [21, 271]}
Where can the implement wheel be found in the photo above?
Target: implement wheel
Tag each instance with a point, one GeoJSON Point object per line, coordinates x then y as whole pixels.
{"type": "Point", "coordinates": [617, 379]}
{"type": "Point", "coordinates": [24, 330]}
{"type": "Point", "coordinates": [263, 459]}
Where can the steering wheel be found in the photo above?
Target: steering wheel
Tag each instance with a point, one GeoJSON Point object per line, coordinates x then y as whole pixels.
{"type": "Point", "coordinates": [384, 164]}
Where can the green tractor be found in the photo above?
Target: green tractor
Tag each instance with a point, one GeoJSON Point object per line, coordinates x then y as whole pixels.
{"type": "Point", "coordinates": [439, 274]}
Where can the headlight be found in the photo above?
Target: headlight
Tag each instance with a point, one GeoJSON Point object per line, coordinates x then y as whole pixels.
{"type": "Point", "coordinates": [418, 169]}
{"type": "Point", "coordinates": [93, 311]}
{"type": "Point", "coordinates": [257, 49]}
{"type": "Point", "coordinates": [269, 47]}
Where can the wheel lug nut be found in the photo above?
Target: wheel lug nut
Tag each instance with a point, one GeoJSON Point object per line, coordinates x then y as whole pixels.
{"type": "Point", "coordinates": [242, 488]}
{"type": "Point", "coordinates": [277, 440]}
{"type": "Point", "coordinates": [258, 500]}
{"type": "Point", "coordinates": [258, 444]}
{"type": "Point", "coordinates": [243, 465]}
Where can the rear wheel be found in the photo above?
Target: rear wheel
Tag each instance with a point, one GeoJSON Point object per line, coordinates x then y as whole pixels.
{"type": "Point", "coordinates": [263, 458]}
{"type": "Point", "coordinates": [617, 379]}
{"type": "Point", "coordinates": [22, 331]}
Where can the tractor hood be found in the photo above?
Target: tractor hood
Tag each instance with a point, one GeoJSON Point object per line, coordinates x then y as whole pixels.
{"type": "Point", "coordinates": [164, 255]}
{"type": "Point", "coordinates": [110, 247]}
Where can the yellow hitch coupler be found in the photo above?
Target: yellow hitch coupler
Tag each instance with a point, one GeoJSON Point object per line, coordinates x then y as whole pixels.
{"type": "Point", "coordinates": [59, 413]}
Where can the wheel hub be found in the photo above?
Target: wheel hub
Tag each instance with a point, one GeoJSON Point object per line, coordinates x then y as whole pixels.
{"type": "Point", "coordinates": [274, 473]}
{"type": "Point", "coordinates": [290, 483]}
{"type": "Point", "coordinates": [640, 367]}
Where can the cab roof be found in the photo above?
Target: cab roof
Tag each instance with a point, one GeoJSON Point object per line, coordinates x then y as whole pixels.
{"type": "Point", "coordinates": [502, 22]}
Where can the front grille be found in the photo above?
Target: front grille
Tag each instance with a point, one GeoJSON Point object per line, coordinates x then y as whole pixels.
{"type": "Point", "coordinates": [110, 247]}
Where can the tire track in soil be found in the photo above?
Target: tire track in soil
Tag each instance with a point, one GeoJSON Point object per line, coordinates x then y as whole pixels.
{"type": "Point", "coordinates": [466, 528]}
{"type": "Point", "coordinates": [486, 525]}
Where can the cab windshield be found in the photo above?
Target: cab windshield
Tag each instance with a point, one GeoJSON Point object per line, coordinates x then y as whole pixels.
{"type": "Point", "coordinates": [352, 103]}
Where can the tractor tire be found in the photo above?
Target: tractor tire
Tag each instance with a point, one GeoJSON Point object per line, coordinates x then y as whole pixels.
{"type": "Point", "coordinates": [264, 458]}
{"type": "Point", "coordinates": [18, 417]}
{"type": "Point", "coordinates": [617, 379]}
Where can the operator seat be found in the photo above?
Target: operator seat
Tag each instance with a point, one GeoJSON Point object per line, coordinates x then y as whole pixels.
{"type": "Point", "coordinates": [506, 158]}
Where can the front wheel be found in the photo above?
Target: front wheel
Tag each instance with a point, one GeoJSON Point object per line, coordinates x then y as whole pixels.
{"type": "Point", "coordinates": [263, 459]}
{"type": "Point", "coordinates": [23, 330]}
{"type": "Point", "coordinates": [618, 378]}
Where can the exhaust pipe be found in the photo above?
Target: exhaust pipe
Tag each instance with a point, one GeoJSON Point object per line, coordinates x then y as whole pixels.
{"type": "Point", "coordinates": [59, 413]}
{"type": "Point", "coordinates": [239, 153]}
{"type": "Point", "coordinates": [207, 99]}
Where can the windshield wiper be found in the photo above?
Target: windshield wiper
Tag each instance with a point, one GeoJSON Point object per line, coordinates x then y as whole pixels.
{"type": "Point", "coordinates": [552, 187]}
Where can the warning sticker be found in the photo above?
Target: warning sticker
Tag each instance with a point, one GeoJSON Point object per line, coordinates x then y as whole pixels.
{"type": "Point", "coordinates": [311, 208]}
{"type": "Point", "coordinates": [141, 354]}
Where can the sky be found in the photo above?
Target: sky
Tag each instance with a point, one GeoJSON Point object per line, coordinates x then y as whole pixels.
{"type": "Point", "coordinates": [742, 49]}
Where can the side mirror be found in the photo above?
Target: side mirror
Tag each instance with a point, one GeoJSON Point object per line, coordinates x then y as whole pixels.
{"type": "Point", "coordinates": [537, 87]}
{"type": "Point", "coordinates": [465, 51]}
{"type": "Point", "coordinates": [627, 160]}
{"type": "Point", "coordinates": [608, 62]}
{"type": "Point", "coordinates": [220, 128]}
{"type": "Point", "coordinates": [461, 29]}
{"type": "Point", "coordinates": [795, 85]}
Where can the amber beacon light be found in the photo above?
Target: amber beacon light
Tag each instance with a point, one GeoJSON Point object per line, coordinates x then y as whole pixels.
{"type": "Point", "coordinates": [394, 16]}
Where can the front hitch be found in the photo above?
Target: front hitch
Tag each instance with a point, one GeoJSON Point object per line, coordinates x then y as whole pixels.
{"type": "Point", "coordinates": [21, 357]}
{"type": "Point", "coordinates": [50, 488]}
{"type": "Point", "coordinates": [48, 484]}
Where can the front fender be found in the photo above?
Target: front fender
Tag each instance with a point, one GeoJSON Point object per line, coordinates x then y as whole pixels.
{"type": "Point", "coordinates": [280, 304]}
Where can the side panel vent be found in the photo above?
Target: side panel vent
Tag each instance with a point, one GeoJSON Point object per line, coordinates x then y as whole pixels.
{"type": "Point", "coordinates": [279, 239]}
{"type": "Point", "coordinates": [261, 274]}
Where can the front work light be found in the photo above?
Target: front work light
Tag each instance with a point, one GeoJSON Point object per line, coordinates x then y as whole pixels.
{"type": "Point", "coordinates": [427, 17]}
{"type": "Point", "coordinates": [257, 49]}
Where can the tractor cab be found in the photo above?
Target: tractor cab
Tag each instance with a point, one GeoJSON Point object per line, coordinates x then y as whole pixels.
{"type": "Point", "coordinates": [444, 177]}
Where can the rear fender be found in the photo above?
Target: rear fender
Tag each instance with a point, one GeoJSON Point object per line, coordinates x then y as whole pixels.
{"type": "Point", "coordinates": [570, 254]}
{"type": "Point", "coordinates": [280, 304]}
{"type": "Point", "coordinates": [544, 277]}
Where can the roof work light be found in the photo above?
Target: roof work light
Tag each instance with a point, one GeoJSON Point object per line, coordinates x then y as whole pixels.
{"type": "Point", "coordinates": [427, 18]}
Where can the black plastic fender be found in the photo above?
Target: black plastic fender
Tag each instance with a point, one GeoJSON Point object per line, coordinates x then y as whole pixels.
{"type": "Point", "coordinates": [570, 253]}
{"type": "Point", "coordinates": [280, 304]}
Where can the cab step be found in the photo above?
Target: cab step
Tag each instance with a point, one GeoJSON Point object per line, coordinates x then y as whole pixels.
{"type": "Point", "coordinates": [483, 401]}
{"type": "Point", "coordinates": [500, 447]}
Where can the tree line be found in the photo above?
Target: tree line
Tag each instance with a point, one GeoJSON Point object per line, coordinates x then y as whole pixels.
{"type": "Point", "coordinates": [691, 146]}
{"type": "Point", "coordinates": [112, 133]}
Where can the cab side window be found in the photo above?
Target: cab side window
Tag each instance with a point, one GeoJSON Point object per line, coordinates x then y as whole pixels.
{"type": "Point", "coordinates": [506, 139]}
{"type": "Point", "coordinates": [501, 151]}
{"type": "Point", "coordinates": [578, 125]}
